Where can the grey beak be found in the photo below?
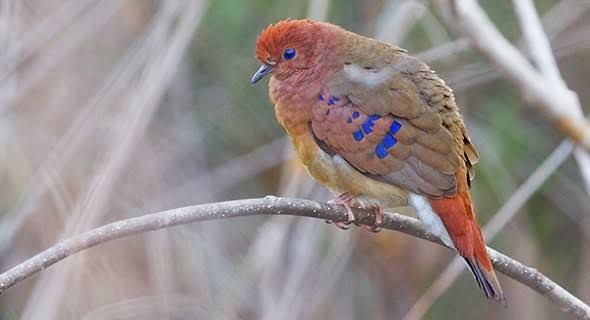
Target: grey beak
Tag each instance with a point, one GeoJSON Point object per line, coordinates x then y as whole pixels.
{"type": "Point", "coordinates": [261, 73]}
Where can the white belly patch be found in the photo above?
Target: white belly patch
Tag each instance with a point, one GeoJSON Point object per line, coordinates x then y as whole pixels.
{"type": "Point", "coordinates": [430, 218]}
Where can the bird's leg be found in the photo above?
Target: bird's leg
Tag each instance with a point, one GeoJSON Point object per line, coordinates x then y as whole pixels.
{"type": "Point", "coordinates": [343, 199]}
{"type": "Point", "coordinates": [377, 226]}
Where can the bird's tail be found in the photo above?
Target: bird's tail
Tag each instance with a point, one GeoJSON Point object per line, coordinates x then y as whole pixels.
{"type": "Point", "coordinates": [482, 269]}
{"type": "Point", "coordinates": [457, 214]}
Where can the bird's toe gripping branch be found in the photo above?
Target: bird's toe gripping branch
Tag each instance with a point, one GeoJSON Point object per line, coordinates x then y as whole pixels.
{"type": "Point", "coordinates": [345, 199]}
{"type": "Point", "coordinates": [378, 224]}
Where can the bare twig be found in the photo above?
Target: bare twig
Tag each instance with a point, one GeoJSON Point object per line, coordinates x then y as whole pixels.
{"type": "Point", "coordinates": [78, 132]}
{"type": "Point", "coordinates": [443, 51]}
{"type": "Point", "coordinates": [562, 15]}
{"type": "Point", "coordinates": [397, 19]}
{"type": "Point", "coordinates": [541, 53]}
{"type": "Point", "coordinates": [318, 9]}
{"type": "Point", "coordinates": [536, 40]}
{"type": "Point", "coordinates": [557, 102]}
{"type": "Point", "coordinates": [142, 105]}
{"type": "Point", "coordinates": [485, 37]}
{"type": "Point", "coordinates": [31, 42]}
{"type": "Point", "coordinates": [479, 73]}
{"type": "Point", "coordinates": [438, 287]}
{"type": "Point", "coordinates": [245, 166]}
{"type": "Point", "coordinates": [555, 20]}
{"type": "Point", "coordinates": [276, 206]}
{"type": "Point", "coordinates": [57, 52]}
{"type": "Point", "coordinates": [499, 220]}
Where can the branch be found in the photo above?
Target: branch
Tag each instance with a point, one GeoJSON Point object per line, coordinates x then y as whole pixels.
{"type": "Point", "coordinates": [536, 40]}
{"type": "Point", "coordinates": [318, 9]}
{"type": "Point", "coordinates": [540, 50]}
{"type": "Point", "coordinates": [557, 102]}
{"type": "Point", "coordinates": [504, 215]}
{"type": "Point", "coordinates": [276, 206]}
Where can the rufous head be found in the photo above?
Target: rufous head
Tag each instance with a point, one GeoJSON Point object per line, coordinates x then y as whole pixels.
{"type": "Point", "coordinates": [290, 46]}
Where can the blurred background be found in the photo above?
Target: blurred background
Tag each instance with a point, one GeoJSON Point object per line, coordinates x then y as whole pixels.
{"type": "Point", "coordinates": [114, 109]}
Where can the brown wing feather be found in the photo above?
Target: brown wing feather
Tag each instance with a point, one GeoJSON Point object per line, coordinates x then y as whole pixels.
{"type": "Point", "coordinates": [427, 153]}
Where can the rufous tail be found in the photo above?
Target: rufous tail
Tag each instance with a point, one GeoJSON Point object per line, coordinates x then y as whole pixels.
{"type": "Point", "coordinates": [458, 216]}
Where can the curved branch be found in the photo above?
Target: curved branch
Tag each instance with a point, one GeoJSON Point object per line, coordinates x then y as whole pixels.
{"type": "Point", "coordinates": [277, 206]}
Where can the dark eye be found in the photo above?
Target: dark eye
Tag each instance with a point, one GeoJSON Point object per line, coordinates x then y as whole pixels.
{"type": "Point", "coordinates": [289, 54]}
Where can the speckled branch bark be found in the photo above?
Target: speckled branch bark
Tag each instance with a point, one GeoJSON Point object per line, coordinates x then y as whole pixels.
{"type": "Point", "coordinates": [275, 206]}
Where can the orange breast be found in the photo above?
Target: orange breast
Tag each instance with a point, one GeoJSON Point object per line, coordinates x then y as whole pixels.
{"type": "Point", "coordinates": [319, 164]}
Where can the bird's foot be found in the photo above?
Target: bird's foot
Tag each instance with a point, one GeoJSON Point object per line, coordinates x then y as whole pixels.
{"type": "Point", "coordinates": [378, 224]}
{"type": "Point", "coordinates": [343, 199]}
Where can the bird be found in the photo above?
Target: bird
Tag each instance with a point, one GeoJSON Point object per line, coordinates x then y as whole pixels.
{"type": "Point", "coordinates": [378, 128]}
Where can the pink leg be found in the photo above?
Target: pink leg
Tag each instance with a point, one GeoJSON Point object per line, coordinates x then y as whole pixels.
{"type": "Point", "coordinates": [378, 220]}
{"type": "Point", "coordinates": [343, 199]}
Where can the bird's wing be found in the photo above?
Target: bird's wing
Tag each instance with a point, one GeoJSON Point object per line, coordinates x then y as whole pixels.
{"type": "Point", "coordinates": [399, 125]}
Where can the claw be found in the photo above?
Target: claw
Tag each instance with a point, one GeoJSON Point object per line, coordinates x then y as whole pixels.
{"type": "Point", "coordinates": [343, 199]}
{"type": "Point", "coordinates": [377, 226]}
{"type": "Point", "coordinates": [342, 225]}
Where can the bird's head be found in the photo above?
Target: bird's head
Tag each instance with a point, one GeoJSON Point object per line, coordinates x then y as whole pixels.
{"type": "Point", "coordinates": [290, 47]}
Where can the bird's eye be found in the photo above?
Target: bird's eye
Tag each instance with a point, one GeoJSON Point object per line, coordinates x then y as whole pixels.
{"type": "Point", "coordinates": [289, 54]}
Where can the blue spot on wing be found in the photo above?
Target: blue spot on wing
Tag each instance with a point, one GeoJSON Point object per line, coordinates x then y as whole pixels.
{"type": "Point", "coordinates": [369, 123]}
{"type": "Point", "coordinates": [358, 135]}
{"type": "Point", "coordinates": [321, 97]}
{"type": "Point", "coordinates": [368, 127]}
{"type": "Point", "coordinates": [389, 141]}
{"type": "Point", "coordinates": [395, 126]}
{"type": "Point", "coordinates": [332, 100]}
{"type": "Point", "coordinates": [380, 151]}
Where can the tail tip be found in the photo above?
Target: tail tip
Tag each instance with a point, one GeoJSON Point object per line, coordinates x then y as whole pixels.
{"type": "Point", "coordinates": [487, 281]}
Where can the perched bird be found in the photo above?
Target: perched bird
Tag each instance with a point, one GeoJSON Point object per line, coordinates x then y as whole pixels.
{"type": "Point", "coordinates": [376, 127]}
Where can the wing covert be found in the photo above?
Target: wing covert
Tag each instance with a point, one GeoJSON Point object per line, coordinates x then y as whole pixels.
{"type": "Point", "coordinates": [401, 131]}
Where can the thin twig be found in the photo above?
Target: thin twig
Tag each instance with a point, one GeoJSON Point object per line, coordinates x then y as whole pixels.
{"type": "Point", "coordinates": [444, 51]}
{"type": "Point", "coordinates": [71, 141]}
{"type": "Point", "coordinates": [318, 9]}
{"type": "Point", "coordinates": [142, 105]}
{"type": "Point", "coordinates": [558, 18]}
{"type": "Point", "coordinates": [541, 53]}
{"type": "Point", "coordinates": [493, 227]}
{"type": "Point", "coordinates": [397, 19]}
{"type": "Point", "coordinates": [59, 49]}
{"type": "Point", "coordinates": [236, 170]}
{"type": "Point", "coordinates": [536, 40]}
{"type": "Point", "coordinates": [31, 42]}
{"type": "Point", "coordinates": [277, 206]}
{"type": "Point", "coordinates": [558, 103]}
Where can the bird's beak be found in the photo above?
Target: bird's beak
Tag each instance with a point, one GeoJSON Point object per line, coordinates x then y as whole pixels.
{"type": "Point", "coordinates": [264, 70]}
